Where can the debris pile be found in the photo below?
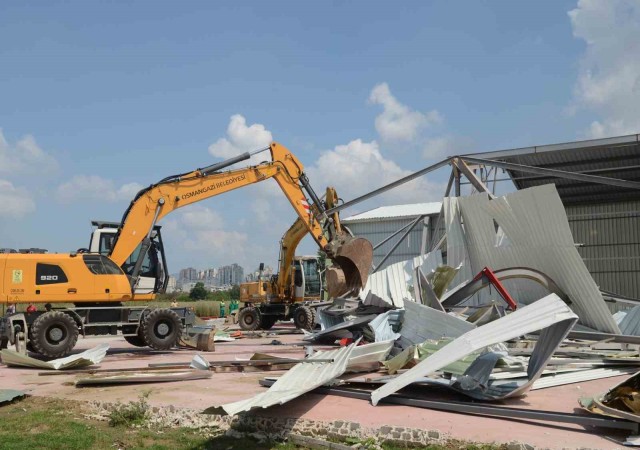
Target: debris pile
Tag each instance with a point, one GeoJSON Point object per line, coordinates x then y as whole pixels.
{"type": "Point", "coordinates": [507, 306]}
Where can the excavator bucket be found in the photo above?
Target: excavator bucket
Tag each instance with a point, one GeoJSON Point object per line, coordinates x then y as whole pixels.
{"type": "Point", "coordinates": [200, 336]}
{"type": "Point", "coordinates": [352, 261]}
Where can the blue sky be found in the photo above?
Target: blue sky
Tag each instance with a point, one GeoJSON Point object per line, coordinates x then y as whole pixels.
{"type": "Point", "coordinates": [99, 98]}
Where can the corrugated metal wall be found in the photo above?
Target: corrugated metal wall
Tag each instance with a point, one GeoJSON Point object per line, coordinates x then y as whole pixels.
{"type": "Point", "coordinates": [610, 233]}
{"type": "Point", "coordinates": [377, 230]}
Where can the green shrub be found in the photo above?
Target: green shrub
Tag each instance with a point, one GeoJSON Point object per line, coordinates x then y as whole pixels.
{"type": "Point", "coordinates": [132, 413]}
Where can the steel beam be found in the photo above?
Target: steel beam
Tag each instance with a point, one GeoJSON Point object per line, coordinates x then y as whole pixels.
{"type": "Point", "coordinates": [385, 240]}
{"type": "Point", "coordinates": [500, 412]}
{"type": "Point", "coordinates": [473, 179]}
{"type": "Point", "coordinates": [556, 173]}
{"type": "Point", "coordinates": [389, 186]}
{"type": "Point", "coordinates": [441, 213]}
{"type": "Point", "coordinates": [412, 225]}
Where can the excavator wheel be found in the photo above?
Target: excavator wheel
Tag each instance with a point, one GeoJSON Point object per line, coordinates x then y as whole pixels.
{"type": "Point", "coordinates": [161, 329]}
{"type": "Point", "coordinates": [54, 334]}
{"type": "Point", "coordinates": [303, 318]}
{"type": "Point", "coordinates": [250, 318]}
{"type": "Point", "coordinates": [136, 341]}
{"type": "Point", "coordinates": [267, 322]}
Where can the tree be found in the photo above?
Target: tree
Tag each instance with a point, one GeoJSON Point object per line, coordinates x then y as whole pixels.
{"type": "Point", "coordinates": [234, 293]}
{"type": "Point", "coordinates": [322, 260]}
{"type": "Point", "coordinates": [198, 292]}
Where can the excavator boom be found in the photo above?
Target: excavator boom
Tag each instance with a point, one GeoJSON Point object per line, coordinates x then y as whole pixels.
{"type": "Point", "coordinates": [153, 203]}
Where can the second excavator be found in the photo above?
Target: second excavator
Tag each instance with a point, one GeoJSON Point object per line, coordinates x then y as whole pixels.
{"type": "Point", "coordinates": [296, 291]}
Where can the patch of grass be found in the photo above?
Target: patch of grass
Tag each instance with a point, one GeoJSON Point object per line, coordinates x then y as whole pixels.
{"type": "Point", "coordinates": [54, 424]}
{"type": "Point", "coordinates": [132, 413]}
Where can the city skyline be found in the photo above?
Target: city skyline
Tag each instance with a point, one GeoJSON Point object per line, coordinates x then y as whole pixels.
{"type": "Point", "coordinates": [213, 278]}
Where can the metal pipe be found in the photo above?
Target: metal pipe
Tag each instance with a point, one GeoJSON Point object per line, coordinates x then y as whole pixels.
{"type": "Point", "coordinates": [231, 161]}
{"type": "Point", "coordinates": [406, 233]}
{"type": "Point", "coordinates": [441, 213]}
{"type": "Point", "coordinates": [389, 186]}
{"type": "Point", "coordinates": [391, 236]}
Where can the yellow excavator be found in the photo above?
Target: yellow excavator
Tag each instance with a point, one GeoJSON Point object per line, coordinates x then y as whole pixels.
{"type": "Point", "coordinates": [125, 262]}
{"type": "Point", "coordinates": [295, 292]}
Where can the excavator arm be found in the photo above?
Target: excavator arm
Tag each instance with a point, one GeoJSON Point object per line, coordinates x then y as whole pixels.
{"type": "Point", "coordinates": [299, 230]}
{"type": "Point", "coordinates": [288, 246]}
{"type": "Point", "coordinates": [153, 203]}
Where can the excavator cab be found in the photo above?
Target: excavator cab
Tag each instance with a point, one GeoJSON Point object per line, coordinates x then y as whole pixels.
{"type": "Point", "coordinates": [307, 279]}
{"type": "Point", "coordinates": [153, 275]}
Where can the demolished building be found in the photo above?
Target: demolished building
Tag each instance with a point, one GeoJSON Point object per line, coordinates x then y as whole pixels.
{"type": "Point", "coordinates": [493, 303]}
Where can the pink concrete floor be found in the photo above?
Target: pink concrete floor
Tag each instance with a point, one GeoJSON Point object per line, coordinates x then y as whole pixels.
{"type": "Point", "coordinates": [229, 387]}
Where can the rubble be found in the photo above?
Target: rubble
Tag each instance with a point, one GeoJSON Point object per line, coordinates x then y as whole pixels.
{"type": "Point", "coordinates": [84, 359]}
{"type": "Point", "coordinates": [477, 324]}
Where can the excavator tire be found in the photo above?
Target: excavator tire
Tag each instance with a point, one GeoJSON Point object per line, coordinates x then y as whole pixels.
{"type": "Point", "coordinates": [136, 341]}
{"type": "Point", "coordinates": [303, 318]}
{"type": "Point", "coordinates": [267, 322]}
{"type": "Point", "coordinates": [54, 334]}
{"type": "Point", "coordinates": [250, 318]}
{"type": "Point", "coordinates": [161, 329]}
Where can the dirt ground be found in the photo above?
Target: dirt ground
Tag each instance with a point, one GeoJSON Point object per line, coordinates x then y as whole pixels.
{"type": "Point", "coordinates": [229, 387]}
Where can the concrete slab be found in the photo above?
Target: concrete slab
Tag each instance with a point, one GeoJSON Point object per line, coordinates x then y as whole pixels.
{"type": "Point", "coordinates": [230, 387]}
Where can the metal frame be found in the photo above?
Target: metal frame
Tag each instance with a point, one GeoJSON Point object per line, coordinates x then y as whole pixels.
{"type": "Point", "coordinates": [411, 226]}
{"type": "Point", "coordinates": [555, 173]}
{"type": "Point", "coordinates": [459, 166]}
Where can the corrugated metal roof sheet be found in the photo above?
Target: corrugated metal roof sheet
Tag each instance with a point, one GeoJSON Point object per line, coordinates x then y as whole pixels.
{"type": "Point", "coordinates": [421, 322]}
{"type": "Point", "coordinates": [301, 378]}
{"type": "Point", "coordinates": [561, 379]}
{"type": "Point", "coordinates": [536, 226]}
{"type": "Point", "coordinates": [87, 358]}
{"type": "Point", "coordinates": [549, 314]}
{"type": "Point", "coordinates": [395, 211]}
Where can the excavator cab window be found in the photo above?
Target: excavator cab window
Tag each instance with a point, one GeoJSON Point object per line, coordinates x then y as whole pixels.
{"type": "Point", "coordinates": [311, 277]}
{"type": "Point", "coordinates": [101, 265]}
{"type": "Point", "coordinates": [106, 243]}
{"type": "Point", "coordinates": [297, 277]}
{"type": "Point", "coordinates": [153, 264]}
{"type": "Point", "coordinates": [149, 263]}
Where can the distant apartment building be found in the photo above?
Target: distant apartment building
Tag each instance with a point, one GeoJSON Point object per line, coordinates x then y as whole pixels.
{"type": "Point", "coordinates": [221, 278]}
{"type": "Point", "coordinates": [230, 275]}
{"type": "Point", "coordinates": [188, 274]}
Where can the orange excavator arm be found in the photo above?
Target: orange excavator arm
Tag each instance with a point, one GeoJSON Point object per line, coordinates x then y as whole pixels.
{"type": "Point", "coordinates": [153, 203]}
{"type": "Point", "coordinates": [288, 246]}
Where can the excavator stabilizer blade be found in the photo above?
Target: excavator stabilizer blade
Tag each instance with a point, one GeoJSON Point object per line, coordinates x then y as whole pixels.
{"type": "Point", "coordinates": [353, 261]}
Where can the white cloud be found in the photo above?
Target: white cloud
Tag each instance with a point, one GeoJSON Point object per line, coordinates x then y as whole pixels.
{"type": "Point", "coordinates": [609, 78]}
{"type": "Point", "coordinates": [398, 122]}
{"type": "Point", "coordinates": [16, 201]}
{"type": "Point", "coordinates": [441, 147]}
{"type": "Point", "coordinates": [359, 167]}
{"type": "Point", "coordinates": [202, 231]}
{"type": "Point", "coordinates": [25, 157]}
{"type": "Point", "coordinates": [242, 138]}
{"type": "Point", "coordinates": [94, 187]}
